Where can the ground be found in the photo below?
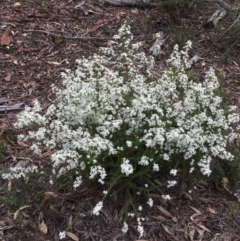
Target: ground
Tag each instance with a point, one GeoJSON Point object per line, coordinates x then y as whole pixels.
{"type": "Point", "coordinates": [33, 61]}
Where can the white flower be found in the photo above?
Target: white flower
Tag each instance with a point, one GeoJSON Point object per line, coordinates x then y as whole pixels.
{"type": "Point", "coordinates": [191, 170]}
{"type": "Point", "coordinates": [167, 197]}
{"type": "Point", "coordinates": [204, 163]}
{"type": "Point", "coordinates": [155, 167]}
{"type": "Point", "coordinates": [62, 235]}
{"type": "Point", "coordinates": [150, 202]}
{"type": "Point", "coordinates": [140, 230]}
{"type": "Point", "coordinates": [173, 172]}
{"type": "Point", "coordinates": [131, 214]}
{"type": "Point", "coordinates": [35, 148]}
{"type": "Point", "coordinates": [140, 208]}
{"type": "Point", "coordinates": [144, 161]}
{"type": "Point", "coordinates": [125, 227]}
{"type": "Point", "coordinates": [126, 168]}
{"type": "Point", "coordinates": [77, 182]}
{"type": "Point", "coordinates": [129, 143]}
{"type": "Point", "coordinates": [171, 183]}
{"type": "Point", "coordinates": [166, 157]}
{"type": "Point", "coordinates": [97, 208]}
{"type": "Point", "coordinates": [140, 227]}
{"type": "Point", "coordinates": [98, 170]}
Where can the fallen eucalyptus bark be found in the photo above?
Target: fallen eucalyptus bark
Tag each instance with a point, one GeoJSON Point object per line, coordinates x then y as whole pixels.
{"type": "Point", "coordinates": [219, 14]}
{"type": "Point", "coordinates": [216, 17]}
{"type": "Point", "coordinates": [192, 62]}
{"type": "Point", "coordinates": [161, 38]}
{"type": "Point", "coordinates": [131, 3]}
{"type": "Point", "coordinates": [4, 109]}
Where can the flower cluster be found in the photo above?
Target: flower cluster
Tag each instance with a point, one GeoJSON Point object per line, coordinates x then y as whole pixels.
{"type": "Point", "coordinates": [115, 119]}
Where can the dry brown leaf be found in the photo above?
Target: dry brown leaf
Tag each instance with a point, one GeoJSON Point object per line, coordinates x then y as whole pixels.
{"type": "Point", "coordinates": [8, 77]}
{"type": "Point", "coordinates": [15, 62]}
{"type": "Point", "coordinates": [93, 29]}
{"type": "Point", "coordinates": [26, 179]}
{"type": "Point", "coordinates": [119, 16]}
{"type": "Point", "coordinates": [194, 217]}
{"type": "Point", "coordinates": [47, 153]}
{"type": "Point", "coordinates": [188, 196]}
{"type": "Point", "coordinates": [135, 11]}
{"type": "Point", "coordinates": [97, 25]}
{"type": "Point", "coordinates": [9, 185]}
{"type": "Point", "coordinates": [191, 233]}
{"type": "Point", "coordinates": [154, 195]}
{"type": "Point", "coordinates": [22, 144]}
{"type": "Point", "coordinates": [235, 63]}
{"type": "Point", "coordinates": [72, 236]}
{"type": "Point", "coordinates": [20, 49]}
{"type": "Point", "coordinates": [101, 21]}
{"type": "Point", "coordinates": [5, 39]}
{"type": "Point", "coordinates": [70, 220]}
{"type": "Point", "coordinates": [48, 195]}
{"type": "Point", "coordinates": [17, 5]}
{"type": "Point", "coordinates": [43, 227]}
{"type": "Point", "coordinates": [200, 234]}
{"type": "Point", "coordinates": [15, 215]}
{"type": "Point", "coordinates": [225, 182]}
{"type": "Point", "coordinates": [196, 210]}
{"type": "Point", "coordinates": [55, 63]}
{"type": "Point", "coordinates": [164, 211]}
{"type": "Point", "coordinates": [210, 210]}
{"type": "Point", "coordinates": [169, 232]}
{"type": "Point", "coordinates": [203, 227]}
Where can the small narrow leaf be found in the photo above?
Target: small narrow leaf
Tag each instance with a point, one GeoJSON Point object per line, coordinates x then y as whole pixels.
{"type": "Point", "coordinates": [72, 236]}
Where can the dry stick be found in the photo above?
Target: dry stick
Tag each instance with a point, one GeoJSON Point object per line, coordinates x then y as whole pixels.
{"type": "Point", "coordinates": [4, 109]}
{"type": "Point", "coordinates": [132, 3]}
{"type": "Point", "coordinates": [66, 37]}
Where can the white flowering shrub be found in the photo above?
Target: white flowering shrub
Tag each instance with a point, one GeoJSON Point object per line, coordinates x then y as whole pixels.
{"type": "Point", "coordinates": [117, 123]}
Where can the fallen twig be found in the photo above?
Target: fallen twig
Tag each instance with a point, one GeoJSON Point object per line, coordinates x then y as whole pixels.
{"type": "Point", "coordinates": [65, 37]}
{"type": "Point", "coordinates": [132, 3]}
{"type": "Point", "coordinates": [4, 109]}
